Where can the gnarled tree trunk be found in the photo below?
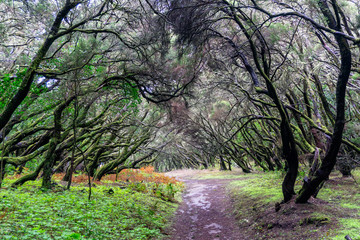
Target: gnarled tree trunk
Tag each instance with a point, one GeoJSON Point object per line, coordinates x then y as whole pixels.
{"type": "Point", "coordinates": [329, 161]}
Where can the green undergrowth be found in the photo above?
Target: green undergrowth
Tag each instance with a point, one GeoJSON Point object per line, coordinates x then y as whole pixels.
{"type": "Point", "coordinates": [344, 196]}
{"type": "Point", "coordinates": [350, 227]}
{"type": "Point", "coordinates": [338, 208]}
{"type": "Point", "coordinates": [216, 174]}
{"type": "Point", "coordinates": [219, 176]}
{"type": "Point", "coordinates": [266, 187]}
{"type": "Point", "coordinates": [130, 213]}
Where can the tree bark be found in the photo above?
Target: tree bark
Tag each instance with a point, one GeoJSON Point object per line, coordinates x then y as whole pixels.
{"type": "Point", "coordinates": [222, 164]}
{"type": "Point", "coordinates": [123, 157]}
{"type": "Point", "coordinates": [329, 161]}
{"type": "Point", "coordinates": [50, 154]}
{"type": "Point", "coordinates": [288, 141]}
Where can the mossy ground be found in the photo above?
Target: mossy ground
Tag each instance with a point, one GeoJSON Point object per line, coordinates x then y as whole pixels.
{"type": "Point", "coordinates": [210, 173]}
{"type": "Point", "coordinates": [139, 211]}
{"type": "Point", "coordinates": [334, 214]}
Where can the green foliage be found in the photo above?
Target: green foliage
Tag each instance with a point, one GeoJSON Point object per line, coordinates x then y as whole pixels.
{"type": "Point", "coordinates": [358, 21]}
{"type": "Point", "coordinates": [355, 76]}
{"type": "Point", "coordinates": [278, 30]}
{"type": "Point", "coordinates": [2, 30]}
{"type": "Point", "coordinates": [353, 130]}
{"type": "Point", "coordinates": [131, 91]}
{"type": "Point", "coordinates": [166, 192]}
{"type": "Point", "coordinates": [9, 84]}
{"type": "Point", "coordinates": [125, 214]}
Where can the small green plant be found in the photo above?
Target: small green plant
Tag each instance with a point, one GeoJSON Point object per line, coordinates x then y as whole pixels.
{"type": "Point", "coordinates": [28, 213]}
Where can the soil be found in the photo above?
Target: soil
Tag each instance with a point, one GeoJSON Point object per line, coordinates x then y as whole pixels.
{"type": "Point", "coordinates": [205, 212]}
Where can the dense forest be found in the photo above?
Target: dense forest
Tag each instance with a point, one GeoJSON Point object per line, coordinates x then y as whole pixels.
{"type": "Point", "coordinates": [99, 87]}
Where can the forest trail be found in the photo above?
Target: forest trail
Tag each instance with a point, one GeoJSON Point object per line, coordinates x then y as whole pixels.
{"type": "Point", "coordinates": [206, 212]}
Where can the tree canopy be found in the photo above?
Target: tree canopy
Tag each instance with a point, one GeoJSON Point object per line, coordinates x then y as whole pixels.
{"type": "Point", "coordinates": [105, 85]}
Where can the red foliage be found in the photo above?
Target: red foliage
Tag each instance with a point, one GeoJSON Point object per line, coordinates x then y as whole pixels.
{"type": "Point", "coordinates": [83, 178]}
{"type": "Point", "coordinates": [144, 174]}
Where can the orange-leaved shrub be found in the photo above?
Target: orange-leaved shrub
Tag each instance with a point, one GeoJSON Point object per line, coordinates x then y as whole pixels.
{"type": "Point", "coordinates": [144, 174]}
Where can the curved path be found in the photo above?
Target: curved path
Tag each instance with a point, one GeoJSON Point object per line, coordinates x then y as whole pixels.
{"type": "Point", "coordinates": [205, 213]}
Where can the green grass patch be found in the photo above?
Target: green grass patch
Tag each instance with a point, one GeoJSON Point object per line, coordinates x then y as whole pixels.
{"type": "Point", "coordinates": [344, 194]}
{"type": "Point", "coordinates": [356, 174]}
{"type": "Point", "coordinates": [255, 197]}
{"type": "Point", "coordinates": [263, 186]}
{"type": "Point", "coordinates": [222, 175]}
{"type": "Point", "coordinates": [29, 213]}
{"type": "Point", "coordinates": [349, 226]}
{"type": "Point", "coordinates": [350, 205]}
{"type": "Point", "coordinates": [215, 173]}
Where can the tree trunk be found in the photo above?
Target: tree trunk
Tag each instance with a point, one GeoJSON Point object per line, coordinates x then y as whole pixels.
{"type": "Point", "coordinates": [291, 157]}
{"type": "Point", "coordinates": [222, 164]}
{"type": "Point", "coordinates": [122, 158]}
{"type": "Point", "coordinates": [288, 140]}
{"type": "Point", "coordinates": [2, 170]}
{"type": "Point", "coordinates": [329, 161]}
{"type": "Point", "coordinates": [50, 155]}
{"type": "Point", "coordinates": [29, 177]}
{"type": "Point", "coordinates": [229, 164]}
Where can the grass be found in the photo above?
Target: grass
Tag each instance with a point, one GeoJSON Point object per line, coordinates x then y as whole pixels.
{"type": "Point", "coordinates": [219, 175]}
{"type": "Point", "coordinates": [344, 195]}
{"type": "Point", "coordinates": [339, 204]}
{"type": "Point", "coordinates": [214, 173]}
{"type": "Point", "coordinates": [140, 211]}
{"type": "Point", "coordinates": [349, 227]}
{"type": "Point", "coordinates": [263, 186]}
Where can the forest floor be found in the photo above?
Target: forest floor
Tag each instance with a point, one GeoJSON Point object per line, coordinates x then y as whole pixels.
{"type": "Point", "coordinates": [133, 205]}
{"type": "Point", "coordinates": [236, 206]}
{"type": "Point", "coordinates": [205, 212]}
{"type": "Point", "coordinates": [141, 204]}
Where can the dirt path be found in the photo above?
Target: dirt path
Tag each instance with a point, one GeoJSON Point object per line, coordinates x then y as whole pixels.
{"type": "Point", "coordinates": [205, 213]}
